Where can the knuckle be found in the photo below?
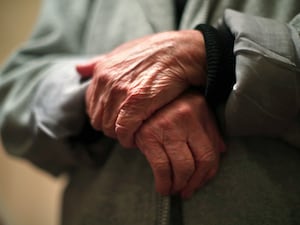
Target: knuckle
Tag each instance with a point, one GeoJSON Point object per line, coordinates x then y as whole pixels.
{"type": "Point", "coordinates": [137, 100]}
{"type": "Point", "coordinates": [132, 110]}
{"type": "Point", "coordinates": [146, 141]}
{"type": "Point", "coordinates": [187, 168]}
{"type": "Point", "coordinates": [121, 131]}
{"type": "Point", "coordinates": [125, 136]}
{"type": "Point", "coordinates": [133, 98]}
{"type": "Point", "coordinates": [165, 124]}
{"type": "Point", "coordinates": [184, 111]}
{"type": "Point", "coordinates": [207, 156]}
{"type": "Point", "coordinates": [145, 131]}
{"type": "Point", "coordinates": [122, 119]}
{"type": "Point", "coordinates": [102, 78]}
{"type": "Point", "coordinates": [119, 90]}
{"type": "Point", "coordinates": [128, 120]}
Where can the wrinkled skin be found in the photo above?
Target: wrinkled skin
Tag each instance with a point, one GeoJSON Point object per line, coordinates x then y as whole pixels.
{"type": "Point", "coordinates": [138, 95]}
{"type": "Point", "coordinates": [182, 144]}
{"type": "Point", "coordinates": [133, 81]}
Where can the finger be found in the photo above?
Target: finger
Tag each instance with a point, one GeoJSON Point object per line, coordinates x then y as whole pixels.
{"type": "Point", "coordinates": [111, 111]}
{"type": "Point", "coordinates": [216, 138]}
{"type": "Point", "coordinates": [96, 101]}
{"type": "Point", "coordinates": [206, 162]}
{"type": "Point", "coordinates": [97, 112]}
{"type": "Point", "coordinates": [182, 163]}
{"type": "Point", "coordinates": [86, 69]}
{"type": "Point", "coordinates": [93, 105]}
{"type": "Point", "coordinates": [197, 180]}
{"type": "Point", "coordinates": [214, 133]}
{"type": "Point", "coordinates": [88, 98]}
{"type": "Point", "coordinates": [159, 163]}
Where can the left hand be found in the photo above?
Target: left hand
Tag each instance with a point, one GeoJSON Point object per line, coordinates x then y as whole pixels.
{"type": "Point", "coordinates": [182, 145]}
{"type": "Point", "coordinates": [136, 79]}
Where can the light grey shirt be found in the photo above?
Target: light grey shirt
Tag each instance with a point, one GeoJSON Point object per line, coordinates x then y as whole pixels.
{"type": "Point", "coordinates": [42, 107]}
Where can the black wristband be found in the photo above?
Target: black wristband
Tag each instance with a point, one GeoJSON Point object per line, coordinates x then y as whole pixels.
{"type": "Point", "coordinates": [220, 62]}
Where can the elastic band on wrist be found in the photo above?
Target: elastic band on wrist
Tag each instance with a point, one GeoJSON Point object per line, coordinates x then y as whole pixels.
{"type": "Point", "coordinates": [220, 62]}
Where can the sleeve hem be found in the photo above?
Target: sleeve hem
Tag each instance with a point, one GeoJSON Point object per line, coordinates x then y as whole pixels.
{"type": "Point", "coordinates": [220, 62]}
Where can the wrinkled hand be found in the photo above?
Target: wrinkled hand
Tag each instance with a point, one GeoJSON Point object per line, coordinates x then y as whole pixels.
{"type": "Point", "coordinates": [136, 79]}
{"type": "Point", "coordinates": [182, 144]}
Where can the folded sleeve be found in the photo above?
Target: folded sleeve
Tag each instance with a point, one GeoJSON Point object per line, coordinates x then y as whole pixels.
{"type": "Point", "coordinates": [264, 99]}
{"type": "Point", "coordinates": [41, 94]}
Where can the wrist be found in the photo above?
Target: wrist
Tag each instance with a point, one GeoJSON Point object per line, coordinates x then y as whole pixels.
{"type": "Point", "coordinates": [195, 47]}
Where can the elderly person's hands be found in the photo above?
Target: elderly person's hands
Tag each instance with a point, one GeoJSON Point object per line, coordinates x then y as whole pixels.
{"type": "Point", "coordinates": [136, 79]}
{"type": "Point", "coordinates": [182, 144]}
{"type": "Point", "coordinates": [136, 95]}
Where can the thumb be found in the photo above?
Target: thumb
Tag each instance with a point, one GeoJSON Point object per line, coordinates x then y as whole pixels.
{"type": "Point", "coordinates": [86, 69]}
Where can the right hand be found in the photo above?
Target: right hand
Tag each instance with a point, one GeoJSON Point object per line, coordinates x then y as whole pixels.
{"type": "Point", "coordinates": [182, 145]}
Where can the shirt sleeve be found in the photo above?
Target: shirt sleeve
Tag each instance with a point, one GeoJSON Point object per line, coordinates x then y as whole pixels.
{"type": "Point", "coordinates": [254, 69]}
{"type": "Point", "coordinates": [264, 99]}
{"type": "Point", "coordinates": [41, 94]}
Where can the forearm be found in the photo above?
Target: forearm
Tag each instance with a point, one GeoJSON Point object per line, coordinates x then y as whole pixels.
{"type": "Point", "coordinates": [38, 114]}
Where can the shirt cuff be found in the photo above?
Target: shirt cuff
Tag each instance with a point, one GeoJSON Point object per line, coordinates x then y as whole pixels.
{"type": "Point", "coordinates": [220, 62]}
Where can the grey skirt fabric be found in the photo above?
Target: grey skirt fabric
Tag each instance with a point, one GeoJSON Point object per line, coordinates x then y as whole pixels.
{"type": "Point", "coordinates": [258, 183]}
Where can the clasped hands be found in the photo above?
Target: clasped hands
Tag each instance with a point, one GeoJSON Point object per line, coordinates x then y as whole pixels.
{"type": "Point", "coordinates": [140, 94]}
